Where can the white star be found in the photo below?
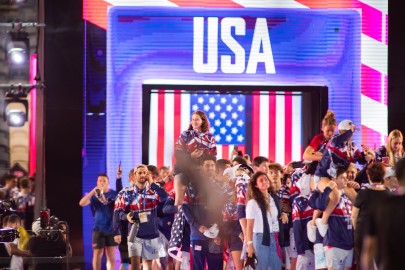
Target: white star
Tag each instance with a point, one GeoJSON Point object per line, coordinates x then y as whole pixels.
{"type": "Point", "coordinates": [228, 138]}
{"type": "Point", "coordinates": [200, 100]}
{"type": "Point", "coordinates": [223, 115]}
{"type": "Point", "coordinates": [234, 100]}
{"type": "Point", "coordinates": [223, 130]}
{"type": "Point", "coordinates": [234, 130]}
{"type": "Point", "coordinates": [229, 123]}
{"type": "Point", "coordinates": [240, 138]}
{"type": "Point", "coordinates": [212, 100]}
{"type": "Point", "coordinates": [212, 115]}
{"type": "Point", "coordinates": [217, 138]}
{"type": "Point", "coordinates": [229, 108]}
{"type": "Point", "coordinates": [217, 122]}
{"type": "Point", "coordinates": [195, 107]}
{"type": "Point", "coordinates": [212, 130]}
{"type": "Point", "coordinates": [240, 123]}
{"type": "Point", "coordinates": [241, 108]}
{"type": "Point", "coordinates": [234, 115]}
{"type": "Point", "coordinates": [223, 100]}
{"type": "Point", "coordinates": [217, 108]}
{"type": "Point", "coordinates": [206, 107]}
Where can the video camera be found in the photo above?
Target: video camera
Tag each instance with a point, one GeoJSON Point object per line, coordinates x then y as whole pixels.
{"type": "Point", "coordinates": [7, 207]}
{"type": "Point", "coordinates": [50, 226]}
{"type": "Point", "coordinates": [8, 235]}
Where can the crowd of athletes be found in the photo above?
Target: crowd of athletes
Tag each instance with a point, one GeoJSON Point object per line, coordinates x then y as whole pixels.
{"type": "Point", "coordinates": [338, 208]}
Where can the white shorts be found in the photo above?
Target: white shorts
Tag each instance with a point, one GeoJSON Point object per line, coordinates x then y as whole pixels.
{"type": "Point", "coordinates": [148, 249]}
{"type": "Point", "coordinates": [338, 258]}
{"type": "Point", "coordinates": [307, 261]}
{"type": "Point", "coordinates": [319, 254]}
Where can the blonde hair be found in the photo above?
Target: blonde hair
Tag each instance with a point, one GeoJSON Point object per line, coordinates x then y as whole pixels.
{"type": "Point", "coordinates": [329, 119]}
{"type": "Point", "coordinates": [395, 134]}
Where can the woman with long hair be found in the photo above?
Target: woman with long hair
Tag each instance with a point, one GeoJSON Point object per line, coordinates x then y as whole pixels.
{"type": "Point", "coordinates": [191, 146]}
{"type": "Point", "coordinates": [263, 216]}
{"type": "Point", "coordinates": [393, 150]}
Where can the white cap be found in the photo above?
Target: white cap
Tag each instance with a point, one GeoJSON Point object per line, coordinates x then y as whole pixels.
{"type": "Point", "coordinates": [230, 172]}
{"type": "Point", "coordinates": [212, 232]}
{"type": "Point", "coordinates": [389, 172]}
{"type": "Point", "coordinates": [345, 125]}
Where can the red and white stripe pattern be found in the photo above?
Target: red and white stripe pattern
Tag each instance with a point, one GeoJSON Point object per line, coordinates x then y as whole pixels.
{"type": "Point", "coordinates": [275, 118]}
{"type": "Point", "coordinates": [374, 47]}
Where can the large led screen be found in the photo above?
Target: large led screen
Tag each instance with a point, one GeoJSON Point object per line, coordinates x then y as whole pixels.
{"type": "Point", "coordinates": [341, 45]}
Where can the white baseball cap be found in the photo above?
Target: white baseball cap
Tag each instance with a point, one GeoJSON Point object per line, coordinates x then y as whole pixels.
{"type": "Point", "coordinates": [345, 125]}
{"type": "Point", "coordinates": [230, 172]}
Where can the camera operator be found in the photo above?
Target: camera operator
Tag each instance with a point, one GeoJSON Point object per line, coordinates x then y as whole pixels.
{"type": "Point", "coordinates": [51, 241]}
{"type": "Point", "coordinates": [5, 257]}
{"type": "Point", "coordinates": [14, 222]}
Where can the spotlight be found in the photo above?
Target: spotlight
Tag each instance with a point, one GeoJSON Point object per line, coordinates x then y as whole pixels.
{"type": "Point", "coordinates": [15, 109]}
{"type": "Point", "coordinates": [17, 52]}
{"type": "Point", "coordinates": [17, 56]}
{"type": "Point", "coordinates": [15, 112]}
{"type": "Point", "coordinates": [16, 118]}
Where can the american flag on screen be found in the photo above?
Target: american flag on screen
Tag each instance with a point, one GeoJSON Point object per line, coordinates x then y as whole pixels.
{"type": "Point", "coordinates": [259, 124]}
{"type": "Point", "coordinates": [226, 114]}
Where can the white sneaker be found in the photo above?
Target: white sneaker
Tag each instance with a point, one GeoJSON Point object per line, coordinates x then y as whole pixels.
{"type": "Point", "coordinates": [322, 228]}
{"type": "Point", "coordinates": [311, 232]}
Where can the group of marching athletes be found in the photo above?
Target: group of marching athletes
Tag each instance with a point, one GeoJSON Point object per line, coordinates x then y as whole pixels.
{"type": "Point", "coordinates": [240, 213]}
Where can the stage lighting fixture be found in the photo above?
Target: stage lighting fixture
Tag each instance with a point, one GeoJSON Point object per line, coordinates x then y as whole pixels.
{"type": "Point", "coordinates": [16, 118]}
{"type": "Point", "coordinates": [15, 109]}
{"type": "Point", "coordinates": [17, 51]}
{"type": "Point", "coordinates": [15, 112]}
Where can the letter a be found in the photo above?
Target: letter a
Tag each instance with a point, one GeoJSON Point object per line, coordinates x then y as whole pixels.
{"type": "Point", "coordinates": [261, 37]}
